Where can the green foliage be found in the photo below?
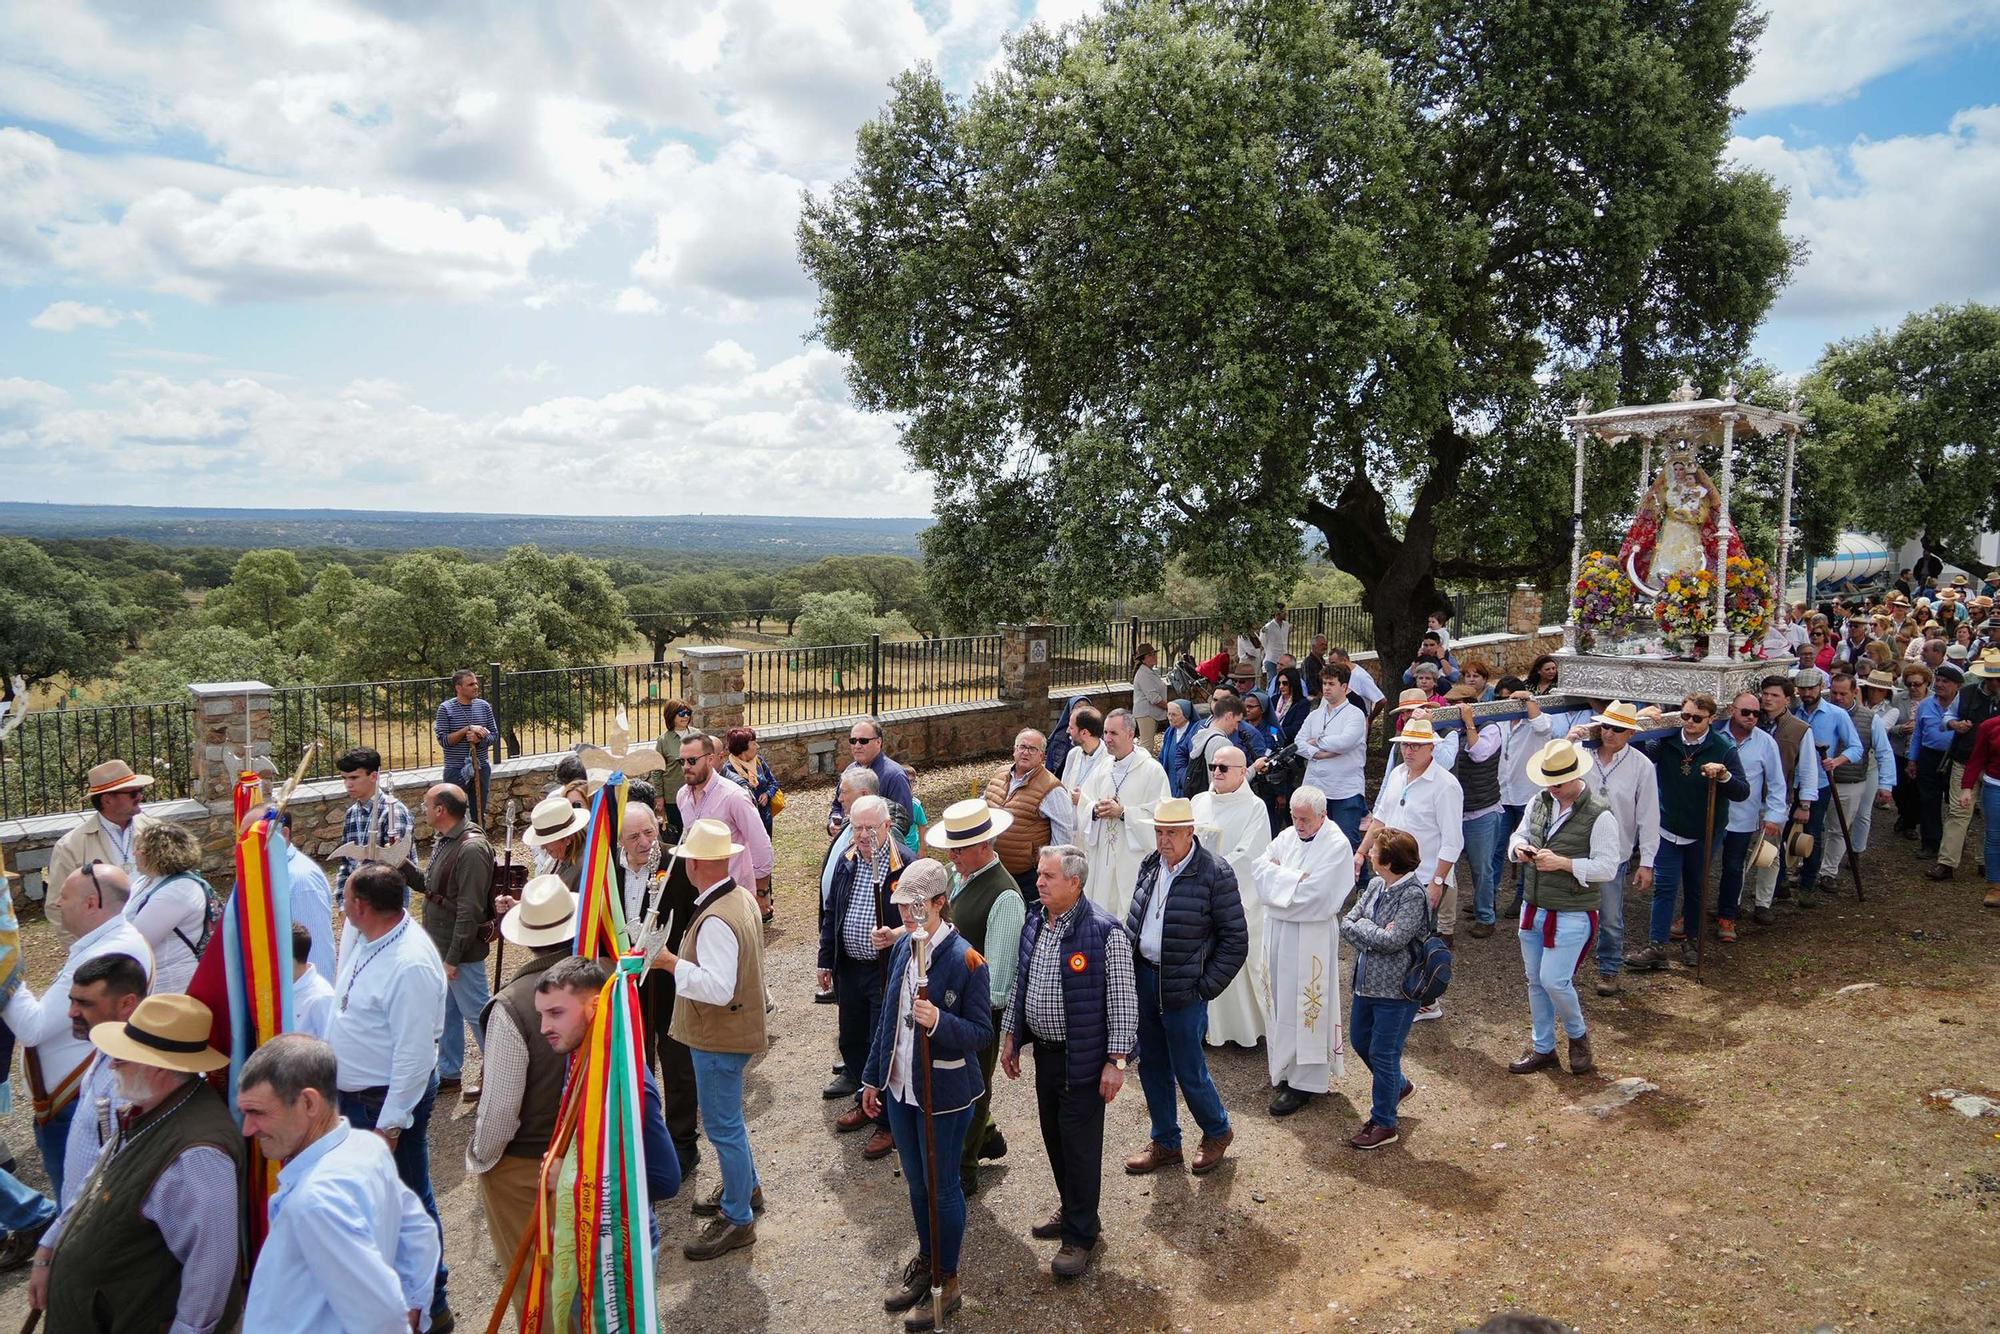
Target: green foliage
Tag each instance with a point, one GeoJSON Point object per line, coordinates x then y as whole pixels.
{"type": "Point", "coordinates": [1910, 419]}
{"type": "Point", "coordinates": [178, 659]}
{"type": "Point", "coordinates": [685, 604]}
{"type": "Point", "coordinates": [843, 617]}
{"type": "Point", "coordinates": [1323, 585]}
{"type": "Point", "coordinates": [892, 583]}
{"type": "Point", "coordinates": [1187, 276]}
{"type": "Point", "coordinates": [262, 594]}
{"type": "Point", "coordinates": [54, 621]}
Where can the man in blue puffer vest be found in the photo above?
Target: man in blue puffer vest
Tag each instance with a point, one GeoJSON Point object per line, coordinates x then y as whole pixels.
{"type": "Point", "coordinates": [1187, 917]}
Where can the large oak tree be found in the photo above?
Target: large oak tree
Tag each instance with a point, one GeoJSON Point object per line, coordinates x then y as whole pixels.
{"type": "Point", "coordinates": [1188, 278]}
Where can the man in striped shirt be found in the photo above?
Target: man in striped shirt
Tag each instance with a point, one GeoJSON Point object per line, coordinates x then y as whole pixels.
{"type": "Point", "coordinates": [469, 731]}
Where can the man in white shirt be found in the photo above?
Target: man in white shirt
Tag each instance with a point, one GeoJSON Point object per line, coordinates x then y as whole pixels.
{"type": "Point", "coordinates": [312, 899]}
{"type": "Point", "coordinates": [1525, 736]}
{"type": "Point", "coordinates": [350, 1247]}
{"type": "Point", "coordinates": [1277, 638]}
{"type": "Point", "coordinates": [312, 994]}
{"type": "Point", "coordinates": [1630, 785]}
{"type": "Point", "coordinates": [105, 990]}
{"type": "Point", "coordinates": [1421, 799]}
{"type": "Point", "coordinates": [388, 1014]}
{"type": "Point", "coordinates": [91, 909]}
{"type": "Point", "coordinates": [1334, 740]}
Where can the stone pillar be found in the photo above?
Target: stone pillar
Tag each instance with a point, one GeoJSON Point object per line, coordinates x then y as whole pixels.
{"type": "Point", "coordinates": [1524, 610]}
{"type": "Point", "coordinates": [716, 686]}
{"type": "Point", "coordinates": [1024, 665]}
{"type": "Point", "coordinates": [232, 731]}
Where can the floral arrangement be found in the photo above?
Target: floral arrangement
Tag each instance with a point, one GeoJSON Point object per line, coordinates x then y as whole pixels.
{"type": "Point", "coordinates": [1606, 601]}
{"type": "Point", "coordinates": [1747, 585]}
{"type": "Point", "coordinates": [1686, 605]}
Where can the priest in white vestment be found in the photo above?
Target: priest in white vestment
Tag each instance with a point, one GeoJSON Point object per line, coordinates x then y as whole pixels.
{"type": "Point", "coordinates": [1302, 880]}
{"type": "Point", "coordinates": [1087, 755]}
{"type": "Point", "coordinates": [1111, 823]}
{"type": "Point", "coordinates": [1234, 823]}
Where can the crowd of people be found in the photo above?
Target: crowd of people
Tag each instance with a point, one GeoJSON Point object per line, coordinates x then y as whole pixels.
{"type": "Point", "coordinates": [1138, 887]}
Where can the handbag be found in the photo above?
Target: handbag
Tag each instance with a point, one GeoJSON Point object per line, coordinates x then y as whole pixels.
{"type": "Point", "coordinates": [1429, 974]}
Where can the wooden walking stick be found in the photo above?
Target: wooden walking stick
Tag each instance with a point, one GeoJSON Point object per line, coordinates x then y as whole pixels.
{"type": "Point", "coordinates": [1701, 886]}
{"type": "Point", "coordinates": [920, 960]}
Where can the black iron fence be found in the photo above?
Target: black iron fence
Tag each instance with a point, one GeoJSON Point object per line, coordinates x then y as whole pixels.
{"type": "Point", "coordinates": [44, 760]}
{"type": "Point", "coordinates": [800, 685]}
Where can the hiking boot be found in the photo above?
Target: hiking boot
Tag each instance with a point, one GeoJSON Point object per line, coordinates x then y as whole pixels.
{"type": "Point", "coordinates": [1532, 1060]}
{"type": "Point", "coordinates": [1647, 958]}
{"type": "Point", "coordinates": [1938, 872]}
{"type": "Point", "coordinates": [1725, 930]}
{"type": "Point", "coordinates": [1071, 1261]}
{"type": "Point", "coordinates": [1048, 1231]}
{"type": "Point", "coordinates": [914, 1286]}
{"type": "Point", "coordinates": [1288, 1100]}
{"type": "Point", "coordinates": [924, 1315]}
{"type": "Point", "coordinates": [1690, 954]}
{"type": "Point", "coordinates": [879, 1145]}
{"type": "Point", "coordinates": [1481, 930]}
{"type": "Point", "coordinates": [852, 1119]}
{"type": "Point", "coordinates": [1151, 1159]}
{"type": "Point", "coordinates": [1581, 1062]}
{"type": "Point", "coordinates": [721, 1237]}
{"type": "Point", "coordinates": [1372, 1136]}
{"type": "Point", "coordinates": [994, 1146]}
{"type": "Point", "coordinates": [1608, 984]}
{"type": "Point", "coordinates": [710, 1205]}
{"type": "Point", "coordinates": [1208, 1154]}
{"type": "Point", "coordinates": [1762, 915]}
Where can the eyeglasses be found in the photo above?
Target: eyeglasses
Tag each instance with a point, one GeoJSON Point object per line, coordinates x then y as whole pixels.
{"type": "Point", "coordinates": [90, 869]}
{"type": "Point", "coordinates": [1222, 768]}
{"type": "Point", "coordinates": [861, 740]}
{"type": "Point", "coordinates": [1748, 713]}
{"type": "Point", "coordinates": [684, 713]}
{"type": "Point", "coordinates": [1607, 727]}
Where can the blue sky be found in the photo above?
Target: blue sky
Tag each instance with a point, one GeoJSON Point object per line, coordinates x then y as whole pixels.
{"type": "Point", "coordinates": [516, 257]}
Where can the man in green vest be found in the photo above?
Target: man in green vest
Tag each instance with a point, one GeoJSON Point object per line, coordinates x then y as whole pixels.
{"type": "Point", "coordinates": [987, 909]}
{"type": "Point", "coordinates": [155, 1229]}
{"type": "Point", "coordinates": [1568, 846]}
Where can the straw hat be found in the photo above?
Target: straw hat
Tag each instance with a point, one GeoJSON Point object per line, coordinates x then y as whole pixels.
{"type": "Point", "coordinates": [1956, 652]}
{"type": "Point", "coordinates": [1764, 856]}
{"type": "Point", "coordinates": [1461, 694]}
{"type": "Point", "coordinates": [1412, 698]}
{"type": "Point", "coordinates": [1879, 679]}
{"type": "Point", "coordinates": [1558, 762]}
{"type": "Point", "coordinates": [921, 882]}
{"type": "Point", "coordinates": [1800, 844]}
{"type": "Point", "coordinates": [546, 914]}
{"type": "Point", "coordinates": [554, 818]}
{"type": "Point", "coordinates": [1988, 666]}
{"type": "Point", "coordinates": [113, 776]}
{"type": "Point", "coordinates": [169, 1032]}
{"type": "Point", "coordinates": [1982, 603]}
{"type": "Point", "coordinates": [1418, 731]}
{"type": "Point", "coordinates": [1619, 714]}
{"type": "Point", "coordinates": [1896, 599]}
{"type": "Point", "coordinates": [707, 841]}
{"type": "Point", "coordinates": [1174, 813]}
{"type": "Point", "coordinates": [968, 822]}
{"type": "Point", "coordinates": [1959, 580]}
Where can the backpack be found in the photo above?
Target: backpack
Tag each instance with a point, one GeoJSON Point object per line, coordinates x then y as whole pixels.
{"type": "Point", "coordinates": [1195, 781]}
{"type": "Point", "coordinates": [210, 915]}
{"type": "Point", "coordinates": [1429, 973]}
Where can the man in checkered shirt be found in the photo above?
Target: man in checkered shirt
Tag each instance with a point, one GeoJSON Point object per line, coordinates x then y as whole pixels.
{"type": "Point", "coordinates": [1077, 1004]}
{"type": "Point", "coordinates": [361, 770]}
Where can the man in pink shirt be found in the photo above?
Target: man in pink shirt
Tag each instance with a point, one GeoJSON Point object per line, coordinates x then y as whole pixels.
{"type": "Point", "coordinates": [705, 794]}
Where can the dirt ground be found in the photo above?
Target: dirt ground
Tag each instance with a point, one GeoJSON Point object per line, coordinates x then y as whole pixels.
{"type": "Point", "coordinates": [1789, 1175]}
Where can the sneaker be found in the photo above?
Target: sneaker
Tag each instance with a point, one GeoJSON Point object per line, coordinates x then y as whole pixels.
{"type": "Point", "coordinates": [721, 1237]}
{"type": "Point", "coordinates": [710, 1205]}
{"type": "Point", "coordinates": [1725, 930]}
{"type": "Point", "coordinates": [1071, 1261]}
{"type": "Point", "coordinates": [1048, 1231]}
{"type": "Point", "coordinates": [1608, 984]}
{"type": "Point", "coordinates": [1372, 1136]}
{"type": "Point", "coordinates": [1938, 872]}
{"type": "Point", "coordinates": [1435, 1010]}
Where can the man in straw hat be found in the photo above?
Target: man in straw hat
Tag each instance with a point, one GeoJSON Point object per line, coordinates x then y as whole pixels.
{"type": "Point", "coordinates": [1077, 1005]}
{"type": "Point", "coordinates": [106, 833]}
{"type": "Point", "coordinates": [1423, 800]}
{"type": "Point", "coordinates": [1110, 813]}
{"type": "Point", "coordinates": [91, 908]}
{"type": "Point", "coordinates": [1686, 761]}
{"type": "Point", "coordinates": [350, 1245]}
{"type": "Point", "coordinates": [555, 831]}
{"type": "Point", "coordinates": [856, 932]}
{"type": "Point", "coordinates": [1750, 836]}
{"type": "Point", "coordinates": [987, 908]}
{"type": "Point", "coordinates": [1626, 782]}
{"type": "Point", "coordinates": [1979, 701]}
{"type": "Point", "coordinates": [1187, 921]}
{"type": "Point", "coordinates": [719, 1014]}
{"type": "Point", "coordinates": [1411, 702]}
{"type": "Point", "coordinates": [522, 1085]}
{"type": "Point", "coordinates": [1858, 787]}
{"type": "Point", "coordinates": [1301, 880]}
{"type": "Point", "coordinates": [156, 1230]}
{"type": "Point", "coordinates": [1569, 844]}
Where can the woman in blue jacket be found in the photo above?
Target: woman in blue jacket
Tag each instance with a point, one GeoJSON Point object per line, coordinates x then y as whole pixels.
{"type": "Point", "coordinates": [959, 1017]}
{"type": "Point", "coordinates": [1181, 725]}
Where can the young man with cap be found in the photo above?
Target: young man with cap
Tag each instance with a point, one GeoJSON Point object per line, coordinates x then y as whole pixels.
{"type": "Point", "coordinates": [1077, 1005]}
{"type": "Point", "coordinates": [1423, 800]}
{"type": "Point", "coordinates": [988, 910]}
{"type": "Point", "coordinates": [350, 1246]}
{"type": "Point", "coordinates": [1928, 761]}
{"type": "Point", "coordinates": [1626, 782]}
{"type": "Point", "coordinates": [521, 1091]}
{"type": "Point", "coordinates": [1859, 787]}
{"type": "Point", "coordinates": [1686, 761]}
{"type": "Point", "coordinates": [1569, 843]}
{"type": "Point", "coordinates": [156, 1230]}
{"type": "Point", "coordinates": [1837, 744]}
{"type": "Point", "coordinates": [719, 1014]}
{"type": "Point", "coordinates": [106, 832]}
{"type": "Point", "coordinates": [1977, 701]}
{"type": "Point", "coordinates": [1187, 920]}
{"type": "Point", "coordinates": [1301, 880]}
{"type": "Point", "coordinates": [957, 1012]}
{"type": "Point", "coordinates": [1039, 810]}
{"type": "Point", "coordinates": [859, 927]}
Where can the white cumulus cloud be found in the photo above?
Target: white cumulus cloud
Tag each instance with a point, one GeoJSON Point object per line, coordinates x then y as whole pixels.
{"type": "Point", "coordinates": [1825, 50]}
{"type": "Point", "coordinates": [69, 316]}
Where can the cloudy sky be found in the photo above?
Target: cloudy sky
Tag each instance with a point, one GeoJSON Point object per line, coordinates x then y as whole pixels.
{"type": "Point", "coordinates": [539, 257]}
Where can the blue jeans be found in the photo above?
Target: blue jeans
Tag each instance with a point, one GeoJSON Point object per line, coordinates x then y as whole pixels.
{"type": "Point", "coordinates": [1611, 922]}
{"type": "Point", "coordinates": [1736, 849]}
{"type": "Point", "coordinates": [1989, 807]}
{"type": "Point", "coordinates": [1346, 814]}
{"type": "Point", "coordinates": [1170, 1053]}
{"type": "Point", "coordinates": [1679, 880]}
{"type": "Point", "coordinates": [1510, 820]}
{"type": "Point", "coordinates": [22, 1208]}
{"type": "Point", "coordinates": [1482, 841]}
{"type": "Point", "coordinates": [465, 998]}
{"type": "Point", "coordinates": [857, 992]}
{"type": "Point", "coordinates": [363, 1110]}
{"type": "Point", "coordinates": [718, 1084]}
{"type": "Point", "coordinates": [52, 1141]}
{"type": "Point", "coordinates": [1816, 826]}
{"type": "Point", "coordinates": [1376, 1031]}
{"type": "Point", "coordinates": [907, 1124]}
{"type": "Point", "coordinates": [1552, 974]}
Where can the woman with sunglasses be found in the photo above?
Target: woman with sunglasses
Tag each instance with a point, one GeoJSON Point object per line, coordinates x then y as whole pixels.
{"type": "Point", "coordinates": [679, 721]}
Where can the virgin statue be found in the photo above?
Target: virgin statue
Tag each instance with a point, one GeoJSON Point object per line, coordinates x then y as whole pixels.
{"type": "Point", "coordinates": [1675, 531]}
